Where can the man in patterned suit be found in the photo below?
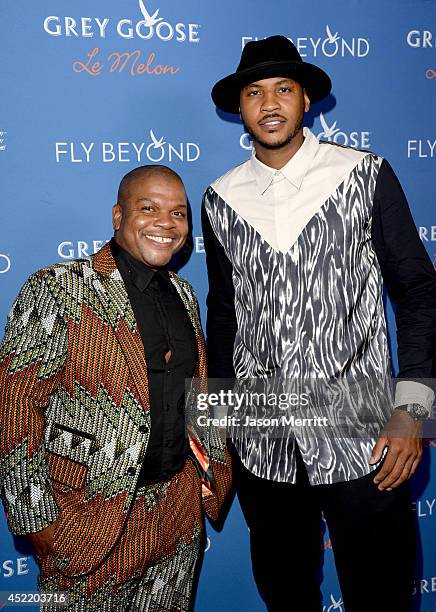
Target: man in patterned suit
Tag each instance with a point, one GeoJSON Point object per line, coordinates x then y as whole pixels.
{"type": "Point", "coordinates": [97, 467]}
{"type": "Point", "coordinates": [299, 241]}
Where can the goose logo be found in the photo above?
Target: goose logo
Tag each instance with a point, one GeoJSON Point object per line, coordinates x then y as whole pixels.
{"type": "Point", "coordinates": [159, 149]}
{"type": "Point", "coordinates": [330, 45]}
{"type": "Point", "coordinates": [335, 605]}
{"type": "Point", "coordinates": [150, 26]}
{"type": "Point", "coordinates": [5, 263]}
{"type": "Point", "coordinates": [331, 133]}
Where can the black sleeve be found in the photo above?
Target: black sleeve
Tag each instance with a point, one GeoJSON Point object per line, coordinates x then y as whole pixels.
{"type": "Point", "coordinates": [221, 323]}
{"type": "Point", "coordinates": [408, 274]}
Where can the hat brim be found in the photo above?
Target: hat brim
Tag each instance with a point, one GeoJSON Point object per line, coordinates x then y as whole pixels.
{"type": "Point", "coordinates": [315, 81]}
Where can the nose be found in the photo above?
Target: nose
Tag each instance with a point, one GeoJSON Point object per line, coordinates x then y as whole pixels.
{"type": "Point", "coordinates": [270, 101]}
{"type": "Point", "coordinates": [164, 220]}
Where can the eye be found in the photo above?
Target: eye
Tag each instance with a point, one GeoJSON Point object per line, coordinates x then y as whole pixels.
{"type": "Point", "coordinates": [253, 92]}
{"type": "Point", "coordinates": [285, 89]}
{"type": "Point", "coordinates": [179, 213]}
{"type": "Point", "coordinates": [147, 208]}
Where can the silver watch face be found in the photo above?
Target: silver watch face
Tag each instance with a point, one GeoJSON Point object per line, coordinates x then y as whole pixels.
{"type": "Point", "coordinates": [417, 411]}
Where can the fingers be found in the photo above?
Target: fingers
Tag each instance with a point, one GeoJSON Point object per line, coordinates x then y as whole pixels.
{"type": "Point", "coordinates": [401, 462]}
{"type": "Point", "coordinates": [378, 449]}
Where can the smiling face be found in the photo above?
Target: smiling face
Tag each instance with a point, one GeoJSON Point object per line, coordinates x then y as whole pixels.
{"type": "Point", "coordinates": [151, 222]}
{"type": "Point", "coordinates": [272, 111]}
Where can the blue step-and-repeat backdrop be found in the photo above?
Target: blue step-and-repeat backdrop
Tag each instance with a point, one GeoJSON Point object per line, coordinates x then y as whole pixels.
{"type": "Point", "coordinates": [93, 88]}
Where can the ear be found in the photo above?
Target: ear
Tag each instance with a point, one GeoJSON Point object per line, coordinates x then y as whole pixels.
{"type": "Point", "coordinates": [117, 215]}
{"type": "Point", "coordinates": [306, 101]}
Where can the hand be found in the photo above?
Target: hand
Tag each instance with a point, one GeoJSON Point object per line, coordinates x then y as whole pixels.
{"type": "Point", "coordinates": [403, 437]}
{"type": "Point", "coordinates": [42, 541]}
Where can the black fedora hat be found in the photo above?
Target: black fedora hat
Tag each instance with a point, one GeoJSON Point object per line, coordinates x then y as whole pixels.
{"type": "Point", "coordinates": [275, 56]}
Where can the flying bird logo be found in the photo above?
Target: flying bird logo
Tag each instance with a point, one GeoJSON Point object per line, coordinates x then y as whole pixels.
{"type": "Point", "coordinates": [332, 38]}
{"type": "Point", "coordinates": [327, 131]}
{"type": "Point", "coordinates": [336, 605]}
{"type": "Point", "coordinates": [149, 20]}
{"type": "Point", "coordinates": [157, 143]}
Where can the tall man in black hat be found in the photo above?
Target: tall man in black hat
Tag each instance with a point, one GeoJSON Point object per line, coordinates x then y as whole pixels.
{"type": "Point", "coordinates": [300, 239]}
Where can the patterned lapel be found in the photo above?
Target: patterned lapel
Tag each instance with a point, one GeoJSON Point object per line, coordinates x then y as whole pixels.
{"type": "Point", "coordinates": [113, 295]}
{"type": "Point", "coordinates": [198, 436]}
{"type": "Point", "coordinates": [189, 302]}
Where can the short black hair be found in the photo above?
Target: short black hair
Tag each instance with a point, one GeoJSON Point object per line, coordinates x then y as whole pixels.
{"type": "Point", "coordinates": [142, 172]}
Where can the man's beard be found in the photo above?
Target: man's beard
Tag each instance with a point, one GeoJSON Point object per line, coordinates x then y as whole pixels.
{"type": "Point", "coordinates": [276, 145]}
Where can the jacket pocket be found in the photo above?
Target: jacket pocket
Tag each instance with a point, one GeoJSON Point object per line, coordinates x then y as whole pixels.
{"type": "Point", "coordinates": [66, 471]}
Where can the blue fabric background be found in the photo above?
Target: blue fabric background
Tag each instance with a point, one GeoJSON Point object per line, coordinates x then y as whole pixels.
{"type": "Point", "coordinates": [57, 104]}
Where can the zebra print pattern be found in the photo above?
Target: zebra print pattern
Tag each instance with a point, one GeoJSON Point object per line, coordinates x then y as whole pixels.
{"type": "Point", "coordinates": [315, 311]}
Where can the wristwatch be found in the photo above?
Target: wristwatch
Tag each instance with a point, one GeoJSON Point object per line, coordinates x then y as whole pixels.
{"type": "Point", "coordinates": [416, 411]}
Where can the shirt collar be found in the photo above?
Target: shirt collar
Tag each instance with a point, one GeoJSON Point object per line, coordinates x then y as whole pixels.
{"type": "Point", "coordinates": [137, 272]}
{"type": "Point", "coordinates": [296, 168]}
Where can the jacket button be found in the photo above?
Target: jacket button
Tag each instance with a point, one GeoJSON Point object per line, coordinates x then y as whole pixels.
{"type": "Point", "coordinates": [130, 471]}
{"type": "Point", "coordinates": [143, 429]}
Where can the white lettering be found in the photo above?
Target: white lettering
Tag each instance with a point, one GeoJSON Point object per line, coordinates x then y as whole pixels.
{"type": "Point", "coordinates": [108, 152]}
{"type": "Point", "coordinates": [199, 244]}
{"type": "Point", "coordinates": [138, 151]}
{"type": "Point", "coordinates": [66, 255]}
{"type": "Point", "coordinates": [82, 249]}
{"type": "Point", "coordinates": [22, 568]}
{"type": "Point", "coordinates": [363, 47]}
{"type": "Point", "coordinates": [163, 25]}
{"type": "Point", "coordinates": [192, 157]}
{"type": "Point", "coordinates": [180, 31]}
{"type": "Point", "coordinates": [97, 244]}
{"type": "Point", "coordinates": [121, 32]}
{"type": "Point", "coordinates": [159, 156]}
{"type": "Point", "coordinates": [57, 31]}
{"type": "Point", "coordinates": [178, 153]}
{"type": "Point", "coordinates": [87, 150]}
{"type": "Point", "coordinates": [411, 146]}
{"type": "Point", "coordinates": [86, 27]}
{"type": "Point", "coordinates": [123, 149]}
{"type": "Point", "coordinates": [70, 27]}
{"type": "Point", "coordinates": [9, 568]}
{"type": "Point", "coordinates": [427, 39]}
{"type": "Point", "coordinates": [7, 264]}
{"type": "Point", "coordinates": [423, 233]}
{"type": "Point", "coordinates": [74, 159]}
{"type": "Point", "coordinates": [245, 142]}
{"type": "Point", "coordinates": [60, 151]}
{"type": "Point", "coordinates": [194, 36]}
{"type": "Point", "coordinates": [102, 24]}
{"type": "Point", "coordinates": [148, 34]}
{"type": "Point", "coordinates": [413, 39]}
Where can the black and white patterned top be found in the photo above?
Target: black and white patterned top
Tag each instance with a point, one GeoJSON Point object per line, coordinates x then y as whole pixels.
{"type": "Point", "coordinates": [297, 259]}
